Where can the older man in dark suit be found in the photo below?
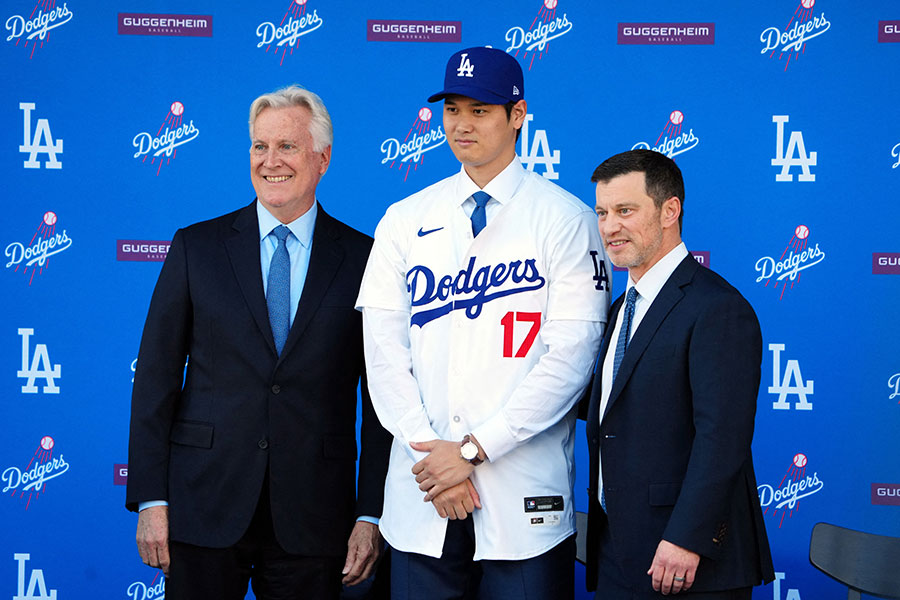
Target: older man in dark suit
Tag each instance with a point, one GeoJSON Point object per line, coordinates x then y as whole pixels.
{"type": "Point", "coordinates": [673, 502]}
{"type": "Point", "coordinates": [244, 468]}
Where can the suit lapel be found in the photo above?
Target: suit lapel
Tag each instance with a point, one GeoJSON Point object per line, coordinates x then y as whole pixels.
{"type": "Point", "coordinates": [324, 261]}
{"type": "Point", "coordinates": [243, 252]}
{"type": "Point", "coordinates": [670, 295]}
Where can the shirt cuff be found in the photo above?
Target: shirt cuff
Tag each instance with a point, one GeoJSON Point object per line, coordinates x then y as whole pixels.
{"type": "Point", "coordinates": [367, 519]}
{"type": "Point", "coordinates": [151, 504]}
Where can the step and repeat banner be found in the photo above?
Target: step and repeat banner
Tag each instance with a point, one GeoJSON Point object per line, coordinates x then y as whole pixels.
{"type": "Point", "coordinates": [121, 121]}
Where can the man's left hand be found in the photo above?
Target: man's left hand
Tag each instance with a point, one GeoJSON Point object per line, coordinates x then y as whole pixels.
{"type": "Point", "coordinates": [363, 549]}
{"type": "Point", "coordinates": [673, 568]}
{"type": "Point", "coordinates": [443, 468]}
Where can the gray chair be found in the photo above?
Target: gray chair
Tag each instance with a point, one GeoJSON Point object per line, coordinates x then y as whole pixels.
{"type": "Point", "coordinates": [865, 562]}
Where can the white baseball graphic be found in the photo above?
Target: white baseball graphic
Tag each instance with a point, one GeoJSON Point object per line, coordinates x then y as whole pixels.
{"type": "Point", "coordinates": [550, 4]}
{"type": "Point", "coordinates": [807, 3]}
{"type": "Point", "coordinates": [49, 217]}
{"type": "Point", "coordinates": [300, 2]}
{"type": "Point", "coordinates": [177, 108]}
{"type": "Point", "coordinates": [425, 114]}
{"type": "Point", "coordinates": [802, 232]}
{"type": "Point", "coordinates": [676, 117]}
{"type": "Point", "coordinates": [47, 442]}
{"type": "Point", "coordinates": [800, 460]}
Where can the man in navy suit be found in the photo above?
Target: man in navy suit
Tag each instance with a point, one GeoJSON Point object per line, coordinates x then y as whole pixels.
{"type": "Point", "coordinates": [244, 467]}
{"type": "Point", "coordinates": [673, 501]}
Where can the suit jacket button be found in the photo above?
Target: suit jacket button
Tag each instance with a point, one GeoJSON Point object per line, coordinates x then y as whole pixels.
{"type": "Point", "coordinates": [263, 444]}
{"type": "Point", "coordinates": [276, 389]}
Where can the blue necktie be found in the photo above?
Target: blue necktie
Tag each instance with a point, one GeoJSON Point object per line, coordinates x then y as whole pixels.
{"type": "Point", "coordinates": [479, 218]}
{"type": "Point", "coordinates": [278, 290]}
{"type": "Point", "coordinates": [625, 331]}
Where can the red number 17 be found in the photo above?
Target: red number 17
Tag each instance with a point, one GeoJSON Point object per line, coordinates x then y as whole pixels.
{"type": "Point", "coordinates": [508, 322]}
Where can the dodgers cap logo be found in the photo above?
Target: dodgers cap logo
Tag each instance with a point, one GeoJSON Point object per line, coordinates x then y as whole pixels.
{"type": "Point", "coordinates": [485, 74]}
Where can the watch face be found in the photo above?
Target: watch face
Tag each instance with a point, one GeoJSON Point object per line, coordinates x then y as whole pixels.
{"type": "Point", "coordinates": [468, 450]}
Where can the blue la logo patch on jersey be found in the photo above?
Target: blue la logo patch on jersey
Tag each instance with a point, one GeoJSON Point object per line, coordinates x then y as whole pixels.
{"type": "Point", "coordinates": [425, 288]}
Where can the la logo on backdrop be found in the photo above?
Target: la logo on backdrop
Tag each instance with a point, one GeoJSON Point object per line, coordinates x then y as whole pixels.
{"type": "Point", "coordinates": [30, 481]}
{"type": "Point", "coordinates": [782, 499]}
{"type": "Point", "coordinates": [163, 145]}
{"type": "Point", "coordinates": [32, 28]}
{"type": "Point", "coordinates": [789, 43]}
{"type": "Point", "coordinates": [672, 140]}
{"type": "Point", "coordinates": [282, 38]}
{"type": "Point", "coordinates": [528, 43]}
{"type": "Point", "coordinates": [33, 256]}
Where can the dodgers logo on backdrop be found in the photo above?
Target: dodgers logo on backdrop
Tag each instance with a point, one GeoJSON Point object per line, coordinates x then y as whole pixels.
{"type": "Point", "coordinates": [37, 366]}
{"type": "Point", "coordinates": [790, 42]}
{"type": "Point", "coordinates": [794, 486]}
{"type": "Point", "coordinates": [31, 479]}
{"type": "Point", "coordinates": [794, 156]}
{"type": "Point", "coordinates": [296, 22]}
{"type": "Point", "coordinates": [672, 141]}
{"type": "Point", "coordinates": [409, 153]}
{"type": "Point", "coordinates": [895, 153]}
{"type": "Point", "coordinates": [894, 385]}
{"type": "Point", "coordinates": [155, 590]}
{"type": "Point", "coordinates": [469, 289]}
{"type": "Point", "coordinates": [172, 133]}
{"type": "Point", "coordinates": [792, 593]}
{"type": "Point", "coordinates": [535, 38]}
{"type": "Point", "coordinates": [31, 586]}
{"type": "Point", "coordinates": [536, 150]}
{"type": "Point", "coordinates": [675, 34]}
{"type": "Point", "coordinates": [791, 384]}
{"type": "Point", "coordinates": [34, 254]}
{"type": "Point", "coordinates": [797, 256]}
{"type": "Point", "coordinates": [35, 28]}
{"type": "Point", "coordinates": [32, 146]}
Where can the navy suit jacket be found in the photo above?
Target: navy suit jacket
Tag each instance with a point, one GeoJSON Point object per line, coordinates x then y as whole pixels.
{"type": "Point", "coordinates": [675, 438]}
{"type": "Point", "coordinates": [203, 439]}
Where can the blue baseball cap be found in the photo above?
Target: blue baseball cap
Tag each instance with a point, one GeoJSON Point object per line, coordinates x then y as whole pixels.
{"type": "Point", "coordinates": [485, 74]}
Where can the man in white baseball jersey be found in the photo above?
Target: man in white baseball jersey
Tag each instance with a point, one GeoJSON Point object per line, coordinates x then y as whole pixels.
{"type": "Point", "coordinates": [483, 303]}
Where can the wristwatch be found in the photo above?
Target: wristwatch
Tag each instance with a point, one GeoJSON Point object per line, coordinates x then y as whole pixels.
{"type": "Point", "coordinates": [469, 451]}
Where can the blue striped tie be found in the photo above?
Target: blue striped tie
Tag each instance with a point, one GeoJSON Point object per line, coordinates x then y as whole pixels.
{"type": "Point", "coordinates": [625, 331]}
{"type": "Point", "coordinates": [278, 290]}
{"type": "Point", "coordinates": [479, 218]}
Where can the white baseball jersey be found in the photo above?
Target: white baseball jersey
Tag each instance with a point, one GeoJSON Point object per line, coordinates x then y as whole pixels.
{"type": "Point", "coordinates": [497, 337]}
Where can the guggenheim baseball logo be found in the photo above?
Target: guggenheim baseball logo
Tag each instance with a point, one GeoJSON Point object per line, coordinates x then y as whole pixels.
{"type": "Point", "coordinates": [887, 494]}
{"type": "Point", "coordinates": [798, 255]}
{"type": "Point", "coordinates": [170, 25]}
{"type": "Point", "coordinates": [142, 250]}
{"type": "Point", "coordinates": [667, 34]}
{"type": "Point", "coordinates": [33, 256]}
{"type": "Point", "coordinates": [672, 140]}
{"type": "Point", "coordinates": [533, 41]}
{"type": "Point", "coordinates": [31, 480]}
{"type": "Point", "coordinates": [35, 28]}
{"type": "Point", "coordinates": [284, 37]}
{"type": "Point", "coordinates": [794, 486]}
{"type": "Point", "coordinates": [381, 30]}
{"type": "Point", "coordinates": [790, 42]}
{"type": "Point", "coordinates": [421, 138]}
{"type": "Point", "coordinates": [172, 133]}
{"type": "Point", "coordinates": [886, 263]}
{"type": "Point", "coordinates": [888, 32]}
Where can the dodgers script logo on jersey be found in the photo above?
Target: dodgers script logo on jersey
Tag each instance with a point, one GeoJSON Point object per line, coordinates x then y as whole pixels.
{"type": "Point", "coordinates": [421, 138]}
{"type": "Point", "coordinates": [784, 497]}
{"type": "Point", "coordinates": [296, 22]}
{"type": "Point", "coordinates": [35, 28]}
{"type": "Point", "coordinates": [534, 40]}
{"type": "Point", "coordinates": [171, 134]}
{"type": "Point", "coordinates": [791, 41]}
{"type": "Point", "coordinates": [34, 254]}
{"type": "Point", "coordinates": [31, 480]}
{"type": "Point", "coordinates": [797, 256]}
{"type": "Point", "coordinates": [470, 288]}
{"type": "Point", "coordinates": [671, 141]}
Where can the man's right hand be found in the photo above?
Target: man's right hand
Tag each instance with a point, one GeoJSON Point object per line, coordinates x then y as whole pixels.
{"type": "Point", "coordinates": [458, 501]}
{"type": "Point", "coordinates": [153, 537]}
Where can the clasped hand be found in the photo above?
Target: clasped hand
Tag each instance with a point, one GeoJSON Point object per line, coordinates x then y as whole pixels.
{"type": "Point", "coordinates": [444, 477]}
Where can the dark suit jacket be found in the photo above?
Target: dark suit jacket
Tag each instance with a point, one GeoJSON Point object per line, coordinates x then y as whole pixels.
{"type": "Point", "coordinates": [203, 441]}
{"type": "Point", "coordinates": [675, 439]}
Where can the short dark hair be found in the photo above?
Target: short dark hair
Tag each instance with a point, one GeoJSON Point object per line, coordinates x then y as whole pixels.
{"type": "Point", "coordinates": [662, 177]}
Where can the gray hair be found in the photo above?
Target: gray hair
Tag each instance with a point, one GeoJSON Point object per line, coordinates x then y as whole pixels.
{"type": "Point", "coordinates": [319, 123]}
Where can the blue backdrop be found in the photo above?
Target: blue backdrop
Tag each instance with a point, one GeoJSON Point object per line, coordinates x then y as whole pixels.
{"type": "Point", "coordinates": [122, 121]}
